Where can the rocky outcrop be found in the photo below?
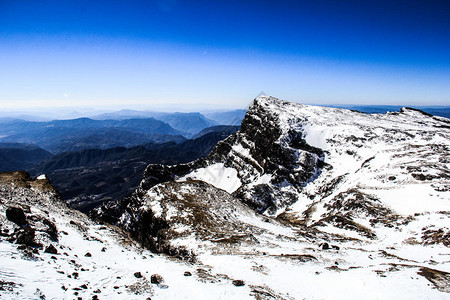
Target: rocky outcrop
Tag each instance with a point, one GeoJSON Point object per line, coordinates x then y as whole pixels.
{"type": "Point", "coordinates": [270, 164]}
{"type": "Point", "coordinates": [18, 194]}
{"type": "Point", "coordinates": [173, 213]}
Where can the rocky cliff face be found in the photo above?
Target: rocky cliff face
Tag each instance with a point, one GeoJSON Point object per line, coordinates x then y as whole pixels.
{"type": "Point", "coordinates": [264, 164]}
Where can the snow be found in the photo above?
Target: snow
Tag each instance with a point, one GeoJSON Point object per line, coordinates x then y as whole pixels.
{"type": "Point", "coordinates": [217, 175]}
{"type": "Point", "coordinates": [317, 136]}
{"type": "Point", "coordinates": [41, 177]}
{"type": "Point", "coordinates": [264, 179]}
{"type": "Point", "coordinates": [154, 204]}
{"type": "Point", "coordinates": [414, 198]}
{"type": "Point", "coordinates": [245, 152]}
{"type": "Point", "coordinates": [110, 268]}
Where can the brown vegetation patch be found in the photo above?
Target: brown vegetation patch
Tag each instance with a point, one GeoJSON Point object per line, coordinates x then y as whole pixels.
{"type": "Point", "coordinates": [346, 223]}
{"type": "Point", "coordinates": [393, 256]}
{"type": "Point", "coordinates": [141, 287]}
{"type": "Point", "coordinates": [265, 293]}
{"type": "Point", "coordinates": [356, 203]}
{"type": "Point", "coordinates": [440, 279]}
{"type": "Point", "coordinates": [436, 236]}
{"type": "Point", "coordinates": [298, 257]}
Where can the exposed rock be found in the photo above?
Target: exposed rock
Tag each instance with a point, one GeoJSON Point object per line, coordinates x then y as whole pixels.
{"type": "Point", "coordinates": [298, 257]}
{"type": "Point", "coordinates": [271, 164]}
{"type": "Point", "coordinates": [238, 282]}
{"type": "Point", "coordinates": [180, 209]}
{"type": "Point", "coordinates": [324, 246]}
{"type": "Point", "coordinates": [51, 230]}
{"type": "Point", "coordinates": [51, 249]}
{"type": "Point", "coordinates": [138, 275]}
{"type": "Point", "coordinates": [7, 285]}
{"type": "Point", "coordinates": [156, 279]}
{"type": "Point", "coordinates": [26, 236]}
{"type": "Point", "coordinates": [38, 293]}
{"type": "Point", "coordinates": [16, 215]}
{"type": "Point", "coordinates": [440, 279]}
{"type": "Point", "coordinates": [433, 236]}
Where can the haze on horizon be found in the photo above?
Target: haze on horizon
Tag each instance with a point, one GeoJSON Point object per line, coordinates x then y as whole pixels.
{"type": "Point", "coordinates": [177, 53]}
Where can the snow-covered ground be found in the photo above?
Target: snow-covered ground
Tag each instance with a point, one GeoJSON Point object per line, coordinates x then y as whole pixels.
{"type": "Point", "coordinates": [282, 265]}
{"type": "Point", "coordinates": [91, 259]}
{"type": "Point", "coordinates": [217, 175]}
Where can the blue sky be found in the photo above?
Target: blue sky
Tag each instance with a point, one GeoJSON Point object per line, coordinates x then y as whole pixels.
{"type": "Point", "coordinates": [223, 53]}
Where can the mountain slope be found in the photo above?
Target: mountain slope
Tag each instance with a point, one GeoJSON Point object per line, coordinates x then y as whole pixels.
{"type": "Point", "coordinates": [16, 156]}
{"type": "Point", "coordinates": [188, 123]}
{"type": "Point", "coordinates": [49, 251]}
{"type": "Point", "coordinates": [227, 129]}
{"type": "Point", "coordinates": [349, 204]}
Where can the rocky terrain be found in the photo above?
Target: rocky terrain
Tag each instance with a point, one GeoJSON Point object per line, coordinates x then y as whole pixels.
{"type": "Point", "coordinates": [49, 251]}
{"type": "Point", "coordinates": [339, 189]}
{"type": "Point", "coordinates": [303, 202]}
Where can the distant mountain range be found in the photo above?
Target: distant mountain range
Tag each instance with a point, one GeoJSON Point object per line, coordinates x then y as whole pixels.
{"type": "Point", "coordinates": [91, 176]}
{"type": "Point", "coordinates": [65, 135]}
{"type": "Point", "coordinates": [188, 123]}
{"type": "Point", "coordinates": [442, 111]}
{"type": "Point", "coordinates": [126, 128]}
{"type": "Point", "coordinates": [233, 117]}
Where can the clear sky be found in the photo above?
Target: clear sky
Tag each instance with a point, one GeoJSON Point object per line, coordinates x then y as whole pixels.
{"type": "Point", "coordinates": [224, 53]}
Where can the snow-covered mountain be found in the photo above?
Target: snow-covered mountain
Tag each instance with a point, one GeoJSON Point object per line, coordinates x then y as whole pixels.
{"type": "Point", "coordinates": [302, 202]}
{"type": "Point", "coordinates": [372, 191]}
